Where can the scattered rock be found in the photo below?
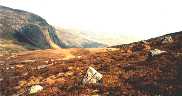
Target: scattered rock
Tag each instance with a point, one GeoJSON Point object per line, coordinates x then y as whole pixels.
{"type": "Point", "coordinates": [92, 76]}
{"type": "Point", "coordinates": [179, 54]}
{"type": "Point", "coordinates": [19, 66]}
{"type": "Point", "coordinates": [70, 68]}
{"type": "Point", "coordinates": [50, 61]}
{"type": "Point", "coordinates": [42, 66]}
{"type": "Point", "coordinates": [167, 39]}
{"type": "Point", "coordinates": [69, 73]}
{"type": "Point", "coordinates": [1, 79]}
{"type": "Point", "coordinates": [95, 93]}
{"type": "Point", "coordinates": [13, 56]}
{"type": "Point", "coordinates": [25, 74]}
{"type": "Point", "coordinates": [79, 57]}
{"type": "Point", "coordinates": [60, 74]}
{"type": "Point", "coordinates": [156, 52]}
{"type": "Point", "coordinates": [35, 89]}
{"type": "Point", "coordinates": [27, 61]}
{"type": "Point", "coordinates": [46, 61]}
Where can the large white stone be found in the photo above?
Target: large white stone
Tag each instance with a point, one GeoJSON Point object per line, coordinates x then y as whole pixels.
{"type": "Point", "coordinates": [36, 88]}
{"type": "Point", "coordinates": [156, 52]}
{"type": "Point", "coordinates": [92, 76]}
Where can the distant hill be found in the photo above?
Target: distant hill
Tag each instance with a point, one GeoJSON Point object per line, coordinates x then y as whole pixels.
{"type": "Point", "coordinates": [156, 42]}
{"type": "Point", "coordinates": [71, 39]}
{"type": "Point", "coordinates": [109, 39]}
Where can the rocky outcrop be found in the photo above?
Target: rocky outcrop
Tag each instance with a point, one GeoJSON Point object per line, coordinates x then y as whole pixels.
{"type": "Point", "coordinates": [27, 29]}
{"type": "Point", "coordinates": [21, 30]}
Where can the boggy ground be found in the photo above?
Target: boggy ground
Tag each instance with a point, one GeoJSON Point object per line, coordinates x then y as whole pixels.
{"type": "Point", "coordinates": [126, 72]}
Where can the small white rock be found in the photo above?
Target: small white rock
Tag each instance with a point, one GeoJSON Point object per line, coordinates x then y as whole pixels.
{"type": "Point", "coordinates": [46, 61]}
{"type": "Point", "coordinates": [156, 52]}
{"type": "Point", "coordinates": [42, 66]}
{"type": "Point", "coordinates": [79, 57]}
{"type": "Point", "coordinates": [25, 74]}
{"type": "Point", "coordinates": [36, 88]}
{"type": "Point", "coordinates": [92, 76]}
{"type": "Point", "coordinates": [1, 79]}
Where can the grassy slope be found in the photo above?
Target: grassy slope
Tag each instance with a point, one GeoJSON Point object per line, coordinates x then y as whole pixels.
{"type": "Point", "coordinates": [126, 71]}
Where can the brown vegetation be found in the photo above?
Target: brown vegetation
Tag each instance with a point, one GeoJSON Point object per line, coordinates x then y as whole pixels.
{"type": "Point", "coordinates": [126, 71]}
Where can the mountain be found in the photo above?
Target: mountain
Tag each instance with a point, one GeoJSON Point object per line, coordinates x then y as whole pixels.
{"type": "Point", "coordinates": [109, 39]}
{"type": "Point", "coordinates": [73, 39]}
{"type": "Point", "coordinates": [21, 30]}
{"type": "Point", "coordinates": [25, 30]}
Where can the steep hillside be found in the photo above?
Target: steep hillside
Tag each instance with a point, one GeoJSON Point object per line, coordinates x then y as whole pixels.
{"type": "Point", "coordinates": [174, 43]}
{"type": "Point", "coordinates": [20, 28]}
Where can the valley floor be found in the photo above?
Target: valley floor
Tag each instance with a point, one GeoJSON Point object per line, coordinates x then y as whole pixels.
{"type": "Point", "coordinates": [60, 72]}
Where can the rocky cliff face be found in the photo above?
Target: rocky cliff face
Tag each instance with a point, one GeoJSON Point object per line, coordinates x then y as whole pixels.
{"type": "Point", "coordinates": [23, 28]}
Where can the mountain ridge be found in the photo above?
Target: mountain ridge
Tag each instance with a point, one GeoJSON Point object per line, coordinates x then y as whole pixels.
{"type": "Point", "coordinates": [26, 28]}
{"type": "Point", "coordinates": [27, 31]}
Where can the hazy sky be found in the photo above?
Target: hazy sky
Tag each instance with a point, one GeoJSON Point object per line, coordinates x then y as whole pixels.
{"type": "Point", "coordinates": [135, 18]}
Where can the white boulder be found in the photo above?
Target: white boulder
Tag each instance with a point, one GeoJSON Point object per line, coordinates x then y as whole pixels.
{"type": "Point", "coordinates": [92, 76]}
{"type": "Point", "coordinates": [156, 52]}
{"type": "Point", "coordinates": [35, 89]}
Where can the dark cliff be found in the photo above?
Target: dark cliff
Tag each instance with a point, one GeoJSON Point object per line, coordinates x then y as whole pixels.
{"type": "Point", "coordinates": [30, 31]}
